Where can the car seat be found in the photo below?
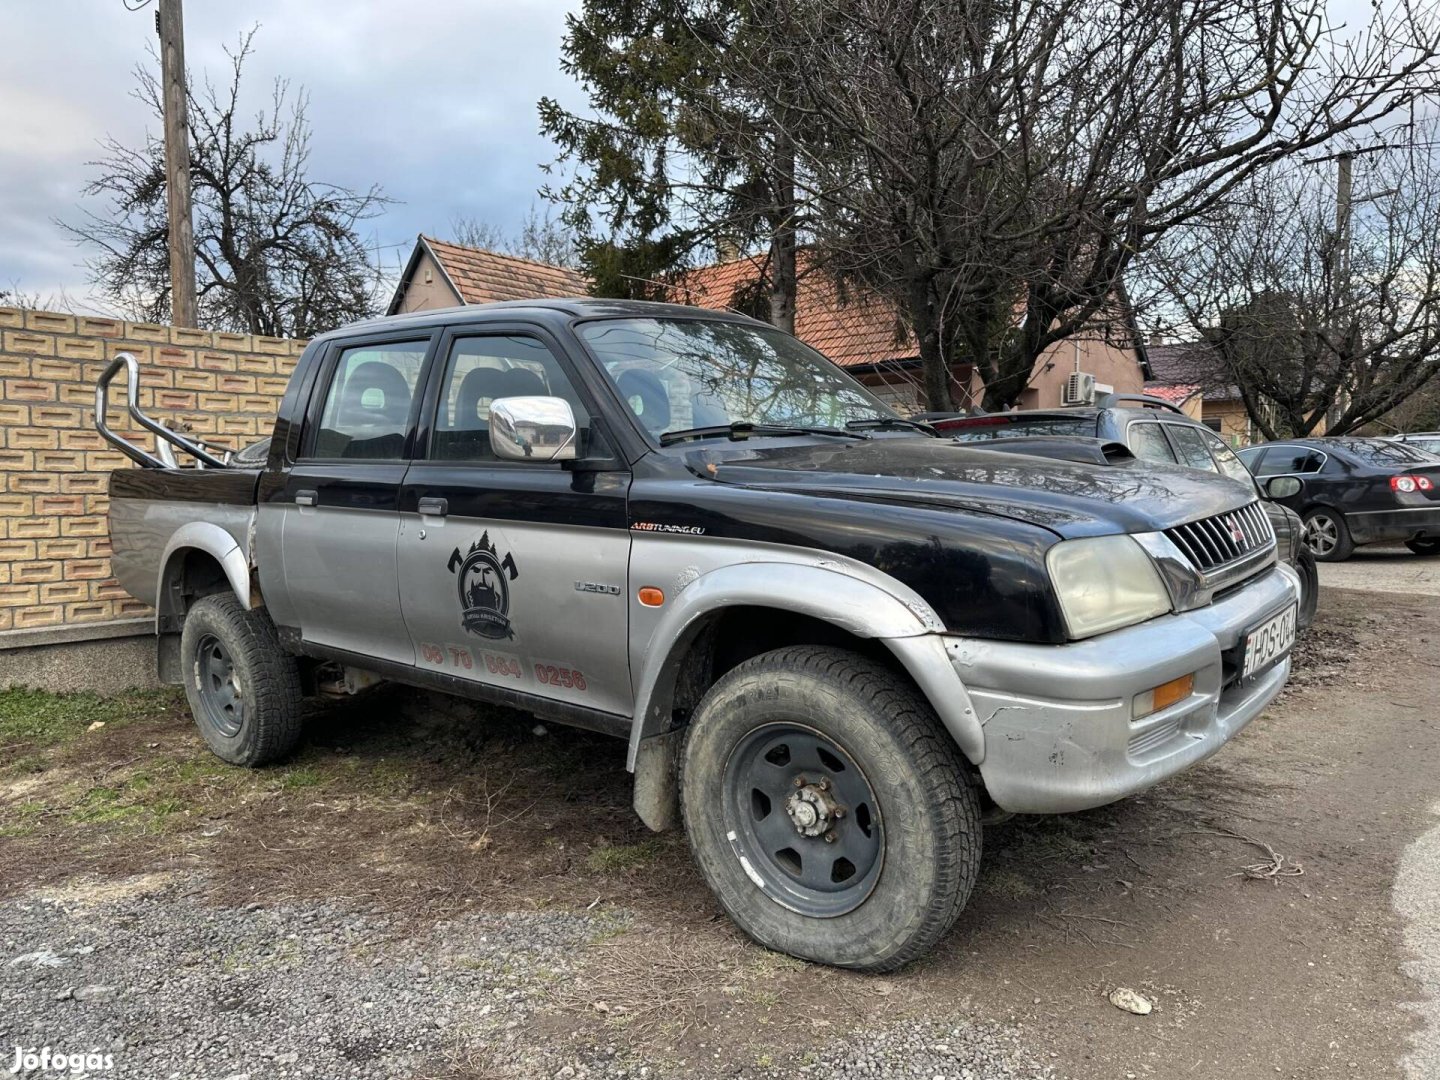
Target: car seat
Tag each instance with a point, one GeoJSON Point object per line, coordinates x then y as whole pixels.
{"type": "Point", "coordinates": [647, 397]}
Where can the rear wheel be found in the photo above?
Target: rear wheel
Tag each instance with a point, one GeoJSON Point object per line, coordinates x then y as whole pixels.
{"type": "Point", "coordinates": [243, 688]}
{"type": "Point", "coordinates": [828, 810]}
{"type": "Point", "coordinates": [1327, 536]}
{"type": "Point", "coordinates": [1424, 546]}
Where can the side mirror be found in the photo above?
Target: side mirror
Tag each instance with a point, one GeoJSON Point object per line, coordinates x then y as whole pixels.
{"type": "Point", "coordinates": [1282, 487]}
{"type": "Point", "coordinates": [532, 429]}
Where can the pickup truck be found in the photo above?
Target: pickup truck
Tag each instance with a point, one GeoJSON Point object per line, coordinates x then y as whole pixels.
{"type": "Point", "coordinates": [838, 644]}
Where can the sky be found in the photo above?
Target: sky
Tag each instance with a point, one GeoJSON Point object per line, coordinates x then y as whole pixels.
{"type": "Point", "coordinates": [432, 100]}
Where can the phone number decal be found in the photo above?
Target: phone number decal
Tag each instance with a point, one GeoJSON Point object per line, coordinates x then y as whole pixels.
{"type": "Point", "coordinates": [567, 678]}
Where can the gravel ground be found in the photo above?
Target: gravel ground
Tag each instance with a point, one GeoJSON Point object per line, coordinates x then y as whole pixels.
{"type": "Point", "coordinates": [1385, 570]}
{"type": "Point", "coordinates": [1417, 899]}
{"type": "Point", "coordinates": [172, 988]}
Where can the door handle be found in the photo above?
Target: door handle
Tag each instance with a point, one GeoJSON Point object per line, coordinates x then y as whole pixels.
{"type": "Point", "coordinates": [306, 498]}
{"type": "Point", "coordinates": [434, 507]}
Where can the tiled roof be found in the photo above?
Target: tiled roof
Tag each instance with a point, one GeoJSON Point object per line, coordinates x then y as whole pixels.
{"type": "Point", "coordinates": [1175, 393]}
{"type": "Point", "coordinates": [1192, 363]}
{"type": "Point", "coordinates": [862, 330]}
{"type": "Point", "coordinates": [484, 277]}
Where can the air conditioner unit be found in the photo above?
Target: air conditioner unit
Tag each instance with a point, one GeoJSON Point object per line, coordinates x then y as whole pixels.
{"type": "Point", "coordinates": [1079, 389]}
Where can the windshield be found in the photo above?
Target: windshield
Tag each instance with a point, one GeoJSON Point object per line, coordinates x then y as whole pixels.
{"type": "Point", "coordinates": [678, 374]}
{"type": "Point", "coordinates": [994, 427]}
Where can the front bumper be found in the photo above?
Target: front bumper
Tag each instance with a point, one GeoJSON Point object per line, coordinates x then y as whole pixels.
{"type": "Point", "coordinates": [1407, 523]}
{"type": "Point", "coordinates": [1057, 718]}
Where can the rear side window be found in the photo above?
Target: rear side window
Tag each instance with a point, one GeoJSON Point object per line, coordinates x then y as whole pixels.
{"type": "Point", "coordinates": [367, 404]}
{"type": "Point", "coordinates": [1190, 448]}
{"type": "Point", "coordinates": [1283, 460]}
{"type": "Point", "coordinates": [1147, 441]}
{"type": "Point", "coordinates": [480, 370]}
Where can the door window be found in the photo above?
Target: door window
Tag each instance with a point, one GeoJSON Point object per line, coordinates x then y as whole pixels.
{"type": "Point", "coordinates": [1229, 464]}
{"type": "Point", "coordinates": [1190, 448]}
{"type": "Point", "coordinates": [367, 404]}
{"type": "Point", "coordinates": [480, 370]}
{"type": "Point", "coordinates": [1147, 441]}
{"type": "Point", "coordinates": [1286, 460]}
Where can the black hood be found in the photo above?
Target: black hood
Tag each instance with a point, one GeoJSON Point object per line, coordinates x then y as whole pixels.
{"type": "Point", "coordinates": [1070, 498]}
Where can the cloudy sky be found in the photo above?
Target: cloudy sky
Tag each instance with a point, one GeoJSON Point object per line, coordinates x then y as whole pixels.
{"type": "Point", "coordinates": [434, 101]}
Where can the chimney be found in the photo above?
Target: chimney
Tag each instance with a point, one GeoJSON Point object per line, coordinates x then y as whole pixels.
{"type": "Point", "coordinates": [726, 249]}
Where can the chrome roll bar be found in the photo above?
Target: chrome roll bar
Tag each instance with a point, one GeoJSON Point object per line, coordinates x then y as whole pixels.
{"type": "Point", "coordinates": [166, 459]}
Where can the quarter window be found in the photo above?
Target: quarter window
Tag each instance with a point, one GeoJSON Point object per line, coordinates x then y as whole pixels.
{"type": "Point", "coordinates": [481, 370]}
{"type": "Point", "coordinates": [1229, 464]}
{"type": "Point", "coordinates": [1147, 441]}
{"type": "Point", "coordinates": [1190, 448]}
{"type": "Point", "coordinates": [367, 404]}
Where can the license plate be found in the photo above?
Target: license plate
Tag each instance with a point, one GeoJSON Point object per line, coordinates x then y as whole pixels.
{"type": "Point", "coordinates": [1269, 641]}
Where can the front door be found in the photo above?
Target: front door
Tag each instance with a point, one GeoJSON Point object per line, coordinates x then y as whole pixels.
{"type": "Point", "coordinates": [340, 512]}
{"type": "Point", "coordinates": [513, 573]}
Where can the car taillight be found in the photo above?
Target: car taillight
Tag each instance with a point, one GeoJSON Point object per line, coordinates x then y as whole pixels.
{"type": "Point", "coordinates": [1407, 484]}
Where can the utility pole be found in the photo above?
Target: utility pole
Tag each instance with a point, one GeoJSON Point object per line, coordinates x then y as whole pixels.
{"type": "Point", "coordinates": [170, 25]}
{"type": "Point", "coordinates": [1344, 187]}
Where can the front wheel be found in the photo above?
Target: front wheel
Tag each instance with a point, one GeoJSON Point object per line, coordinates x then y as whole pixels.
{"type": "Point", "coordinates": [1309, 587]}
{"type": "Point", "coordinates": [1424, 546]}
{"type": "Point", "coordinates": [828, 810]}
{"type": "Point", "coordinates": [243, 688]}
{"type": "Point", "coordinates": [1327, 536]}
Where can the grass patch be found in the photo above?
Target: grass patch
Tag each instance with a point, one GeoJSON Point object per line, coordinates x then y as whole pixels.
{"type": "Point", "coordinates": [617, 858]}
{"type": "Point", "coordinates": [303, 776]}
{"type": "Point", "coordinates": [42, 719]}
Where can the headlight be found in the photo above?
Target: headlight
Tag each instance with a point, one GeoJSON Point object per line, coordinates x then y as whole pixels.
{"type": "Point", "coordinates": [1105, 582]}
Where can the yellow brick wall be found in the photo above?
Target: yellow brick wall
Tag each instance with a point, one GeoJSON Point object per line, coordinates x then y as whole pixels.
{"type": "Point", "coordinates": [54, 547]}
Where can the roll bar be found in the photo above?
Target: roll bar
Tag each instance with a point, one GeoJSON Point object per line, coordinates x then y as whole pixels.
{"type": "Point", "coordinates": [166, 459]}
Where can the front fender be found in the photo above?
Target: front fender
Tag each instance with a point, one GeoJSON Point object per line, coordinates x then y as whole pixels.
{"type": "Point", "coordinates": [213, 541]}
{"type": "Point", "coordinates": [895, 616]}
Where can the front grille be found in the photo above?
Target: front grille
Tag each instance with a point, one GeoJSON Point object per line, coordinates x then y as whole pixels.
{"type": "Point", "coordinates": [1218, 541]}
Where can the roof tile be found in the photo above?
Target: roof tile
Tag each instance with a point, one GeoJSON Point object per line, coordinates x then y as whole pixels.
{"type": "Point", "coordinates": [484, 277]}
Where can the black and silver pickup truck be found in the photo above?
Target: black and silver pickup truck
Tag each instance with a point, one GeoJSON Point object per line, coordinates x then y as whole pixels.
{"type": "Point", "coordinates": [836, 643]}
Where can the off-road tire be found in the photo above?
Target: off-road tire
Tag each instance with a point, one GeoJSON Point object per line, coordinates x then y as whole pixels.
{"type": "Point", "coordinates": [1343, 546]}
{"type": "Point", "coordinates": [926, 799]}
{"type": "Point", "coordinates": [269, 725]}
{"type": "Point", "coordinates": [1309, 586]}
{"type": "Point", "coordinates": [1424, 546]}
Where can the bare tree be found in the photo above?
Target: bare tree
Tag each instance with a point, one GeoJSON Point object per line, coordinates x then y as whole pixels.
{"type": "Point", "coordinates": [541, 238]}
{"type": "Point", "coordinates": [276, 252]}
{"type": "Point", "coordinates": [996, 165]}
{"type": "Point", "coordinates": [1323, 322]}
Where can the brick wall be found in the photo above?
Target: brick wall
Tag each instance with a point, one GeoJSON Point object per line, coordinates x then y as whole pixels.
{"type": "Point", "coordinates": [54, 548]}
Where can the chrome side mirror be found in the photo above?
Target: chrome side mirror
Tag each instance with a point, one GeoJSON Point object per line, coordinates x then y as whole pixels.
{"type": "Point", "coordinates": [532, 429]}
{"type": "Point", "coordinates": [1282, 487]}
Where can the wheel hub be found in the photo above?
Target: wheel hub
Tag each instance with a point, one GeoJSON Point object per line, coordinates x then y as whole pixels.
{"type": "Point", "coordinates": [811, 808]}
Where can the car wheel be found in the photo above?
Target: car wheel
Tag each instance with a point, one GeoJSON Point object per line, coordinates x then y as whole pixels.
{"type": "Point", "coordinates": [828, 810]}
{"type": "Point", "coordinates": [1327, 536]}
{"type": "Point", "coordinates": [1425, 546]}
{"type": "Point", "coordinates": [243, 688]}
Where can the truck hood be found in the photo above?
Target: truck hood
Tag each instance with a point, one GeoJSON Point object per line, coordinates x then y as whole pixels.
{"type": "Point", "coordinates": [1069, 498]}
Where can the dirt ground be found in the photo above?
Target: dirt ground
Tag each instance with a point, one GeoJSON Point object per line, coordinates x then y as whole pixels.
{"type": "Point", "coordinates": [1384, 569]}
{"type": "Point", "coordinates": [1249, 898]}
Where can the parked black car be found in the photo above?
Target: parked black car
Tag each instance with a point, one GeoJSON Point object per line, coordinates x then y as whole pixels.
{"type": "Point", "coordinates": [1356, 491]}
{"type": "Point", "coordinates": [1154, 430]}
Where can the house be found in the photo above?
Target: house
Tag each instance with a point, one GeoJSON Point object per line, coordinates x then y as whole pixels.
{"type": "Point", "coordinates": [1189, 367]}
{"type": "Point", "coordinates": [440, 275]}
{"type": "Point", "coordinates": [862, 333]}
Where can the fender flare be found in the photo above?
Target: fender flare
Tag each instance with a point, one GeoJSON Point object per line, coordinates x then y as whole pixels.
{"type": "Point", "coordinates": [894, 615]}
{"type": "Point", "coordinates": [213, 541]}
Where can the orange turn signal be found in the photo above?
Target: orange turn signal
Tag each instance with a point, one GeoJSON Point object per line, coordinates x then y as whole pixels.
{"type": "Point", "coordinates": [651, 596]}
{"type": "Point", "coordinates": [1163, 696]}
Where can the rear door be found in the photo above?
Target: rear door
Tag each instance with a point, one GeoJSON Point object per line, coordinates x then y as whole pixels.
{"type": "Point", "coordinates": [339, 506]}
{"type": "Point", "coordinates": [514, 573]}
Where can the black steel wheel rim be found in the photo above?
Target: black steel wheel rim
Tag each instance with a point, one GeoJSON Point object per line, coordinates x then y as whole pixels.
{"type": "Point", "coordinates": [803, 819]}
{"type": "Point", "coordinates": [221, 693]}
{"type": "Point", "coordinates": [1322, 534]}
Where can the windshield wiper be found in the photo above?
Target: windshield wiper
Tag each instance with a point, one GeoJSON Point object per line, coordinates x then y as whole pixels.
{"type": "Point", "coordinates": [884, 422]}
{"type": "Point", "coordinates": [743, 429]}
